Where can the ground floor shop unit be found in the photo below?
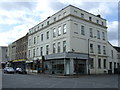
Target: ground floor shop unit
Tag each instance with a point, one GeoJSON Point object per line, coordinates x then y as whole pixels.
{"type": "Point", "coordinates": [18, 64]}
{"type": "Point", "coordinates": [67, 63]}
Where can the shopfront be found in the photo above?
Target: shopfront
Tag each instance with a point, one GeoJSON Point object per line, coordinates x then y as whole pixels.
{"type": "Point", "coordinates": [20, 63]}
{"type": "Point", "coordinates": [36, 65]}
{"type": "Point", "coordinates": [66, 63]}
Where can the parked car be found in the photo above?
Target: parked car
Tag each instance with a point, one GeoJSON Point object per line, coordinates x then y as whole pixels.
{"type": "Point", "coordinates": [9, 70]}
{"type": "Point", "coordinates": [20, 71]}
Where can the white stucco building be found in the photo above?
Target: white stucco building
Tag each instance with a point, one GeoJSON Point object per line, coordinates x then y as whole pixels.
{"type": "Point", "coordinates": [72, 41]}
{"type": "Point", "coordinates": [3, 56]}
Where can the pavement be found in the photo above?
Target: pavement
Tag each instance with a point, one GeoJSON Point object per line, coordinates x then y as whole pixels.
{"type": "Point", "coordinates": [59, 81]}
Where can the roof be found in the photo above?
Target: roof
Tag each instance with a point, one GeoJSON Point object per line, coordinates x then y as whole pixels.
{"type": "Point", "coordinates": [117, 48]}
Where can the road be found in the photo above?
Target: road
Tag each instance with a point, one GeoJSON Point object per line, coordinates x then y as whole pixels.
{"type": "Point", "coordinates": [47, 81]}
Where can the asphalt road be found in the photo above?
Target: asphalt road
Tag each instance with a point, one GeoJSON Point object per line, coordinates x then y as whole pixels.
{"type": "Point", "coordinates": [47, 81]}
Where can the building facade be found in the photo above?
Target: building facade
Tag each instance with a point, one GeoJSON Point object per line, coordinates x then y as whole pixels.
{"type": "Point", "coordinates": [18, 52]}
{"type": "Point", "coordinates": [3, 56]}
{"type": "Point", "coordinates": [72, 41]}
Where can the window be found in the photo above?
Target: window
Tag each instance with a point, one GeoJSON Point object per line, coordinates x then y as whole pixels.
{"type": "Point", "coordinates": [29, 42]}
{"type": "Point", "coordinates": [54, 48]}
{"type": "Point", "coordinates": [82, 15]}
{"type": "Point", "coordinates": [103, 35]}
{"type": "Point", "coordinates": [42, 25]}
{"type": "Point", "coordinates": [33, 52]}
{"type": "Point", "coordinates": [82, 30]}
{"type": "Point", "coordinates": [38, 27]}
{"type": "Point", "coordinates": [112, 53]}
{"type": "Point", "coordinates": [102, 23]}
{"type": "Point", "coordinates": [59, 16]}
{"type": "Point", "coordinates": [97, 21]}
{"type": "Point", "coordinates": [90, 18]}
{"type": "Point", "coordinates": [34, 29]}
{"type": "Point", "coordinates": [114, 64]}
{"type": "Point", "coordinates": [47, 22]}
{"type": "Point", "coordinates": [64, 13]}
{"type": "Point", "coordinates": [75, 11]}
{"type": "Point", "coordinates": [54, 18]}
{"type": "Point", "coordinates": [64, 46]}
{"type": "Point", "coordinates": [110, 65]}
{"type": "Point", "coordinates": [117, 65]}
{"type": "Point", "coordinates": [64, 29]}
{"type": "Point", "coordinates": [47, 49]}
{"type": "Point", "coordinates": [104, 50]}
{"type": "Point", "coordinates": [37, 52]}
{"type": "Point", "coordinates": [91, 32]}
{"type": "Point", "coordinates": [99, 63]}
{"type": "Point", "coordinates": [104, 63]}
{"type": "Point", "coordinates": [91, 48]}
{"type": "Point", "coordinates": [98, 34]}
{"type": "Point", "coordinates": [41, 51]}
{"type": "Point", "coordinates": [47, 35]}
{"type": "Point", "coordinates": [37, 39]}
{"type": "Point", "coordinates": [58, 47]}
{"type": "Point", "coordinates": [59, 31]}
{"type": "Point", "coordinates": [41, 37]}
{"type": "Point", "coordinates": [99, 49]}
{"type": "Point", "coordinates": [34, 40]}
{"type": "Point", "coordinates": [54, 32]}
{"type": "Point", "coordinates": [29, 53]}
{"type": "Point", "coordinates": [92, 63]}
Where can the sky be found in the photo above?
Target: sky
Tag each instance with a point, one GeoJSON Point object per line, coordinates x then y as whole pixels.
{"type": "Point", "coordinates": [18, 16]}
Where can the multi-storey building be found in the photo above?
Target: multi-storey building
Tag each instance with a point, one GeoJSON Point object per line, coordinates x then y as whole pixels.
{"type": "Point", "coordinates": [72, 41]}
{"type": "Point", "coordinates": [118, 53]}
{"type": "Point", "coordinates": [3, 56]}
{"type": "Point", "coordinates": [18, 52]}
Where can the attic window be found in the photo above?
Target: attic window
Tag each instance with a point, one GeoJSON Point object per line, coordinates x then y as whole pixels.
{"type": "Point", "coordinates": [90, 18]}
{"type": "Point", "coordinates": [42, 25]}
{"type": "Point", "coordinates": [54, 18]}
{"type": "Point", "coordinates": [47, 22]}
{"type": "Point", "coordinates": [64, 13]}
{"type": "Point", "coordinates": [82, 15]}
{"type": "Point", "coordinates": [75, 11]}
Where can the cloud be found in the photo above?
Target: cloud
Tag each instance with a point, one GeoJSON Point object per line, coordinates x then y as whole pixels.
{"type": "Point", "coordinates": [23, 15]}
{"type": "Point", "coordinates": [113, 32]}
{"type": "Point", "coordinates": [13, 34]}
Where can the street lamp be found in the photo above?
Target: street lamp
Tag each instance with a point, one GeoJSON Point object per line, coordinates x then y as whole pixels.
{"type": "Point", "coordinates": [88, 57]}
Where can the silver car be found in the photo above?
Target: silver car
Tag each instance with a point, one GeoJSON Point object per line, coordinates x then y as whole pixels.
{"type": "Point", "coordinates": [9, 70]}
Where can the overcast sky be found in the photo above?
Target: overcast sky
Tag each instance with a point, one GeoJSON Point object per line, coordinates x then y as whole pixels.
{"type": "Point", "coordinates": [19, 16]}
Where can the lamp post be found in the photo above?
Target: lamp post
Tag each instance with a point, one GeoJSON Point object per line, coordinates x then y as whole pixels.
{"type": "Point", "coordinates": [89, 56]}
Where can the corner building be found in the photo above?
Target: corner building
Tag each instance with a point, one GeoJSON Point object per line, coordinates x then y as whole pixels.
{"type": "Point", "coordinates": [72, 41]}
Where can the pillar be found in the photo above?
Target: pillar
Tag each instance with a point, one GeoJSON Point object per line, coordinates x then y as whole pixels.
{"type": "Point", "coordinates": [64, 66]}
{"type": "Point", "coordinates": [71, 66]}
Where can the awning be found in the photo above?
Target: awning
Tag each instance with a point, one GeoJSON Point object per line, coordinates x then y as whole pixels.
{"type": "Point", "coordinates": [73, 55]}
{"type": "Point", "coordinates": [19, 60]}
{"type": "Point", "coordinates": [30, 61]}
